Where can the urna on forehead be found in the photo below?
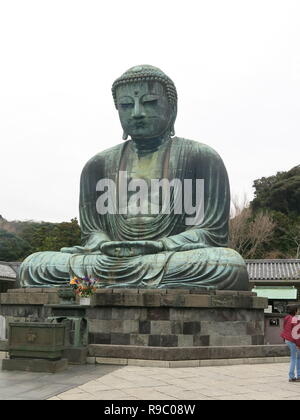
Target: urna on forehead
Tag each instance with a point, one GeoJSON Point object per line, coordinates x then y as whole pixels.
{"type": "Point", "coordinates": [141, 88]}
{"type": "Point", "coordinates": [145, 72]}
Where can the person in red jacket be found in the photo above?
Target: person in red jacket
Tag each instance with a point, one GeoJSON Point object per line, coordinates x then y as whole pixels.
{"type": "Point", "coordinates": [291, 335]}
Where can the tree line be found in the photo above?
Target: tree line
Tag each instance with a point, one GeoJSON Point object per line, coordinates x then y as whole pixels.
{"type": "Point", "coordinates": [20, 239]}
{"type": "Point", "coordinates": [267, 227]}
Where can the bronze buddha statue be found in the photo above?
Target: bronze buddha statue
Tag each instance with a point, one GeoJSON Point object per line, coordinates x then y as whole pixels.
{"type": "Point", "coordinates": [133, 239]}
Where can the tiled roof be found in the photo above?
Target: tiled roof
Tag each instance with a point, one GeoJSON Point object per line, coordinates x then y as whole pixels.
{"type": "Point", "coordinates": [273, 269]}
{"type": "Point", "coordinates": [8, 270]}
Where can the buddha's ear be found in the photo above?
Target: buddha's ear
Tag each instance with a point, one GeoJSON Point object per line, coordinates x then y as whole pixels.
{"type": "Point", "coordinates": [173, 118]}
{"type": "Point", "coordinates": [125, 135]}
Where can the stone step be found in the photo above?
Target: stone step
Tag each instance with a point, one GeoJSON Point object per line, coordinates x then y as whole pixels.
{"type": "Point", "coordinates": [186, 363]}
{"type": "Point", "coordinates": [186, 353]}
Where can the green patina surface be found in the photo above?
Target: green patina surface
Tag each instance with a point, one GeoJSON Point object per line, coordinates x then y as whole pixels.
{"type": "Point", "coordinates": [36, 339]}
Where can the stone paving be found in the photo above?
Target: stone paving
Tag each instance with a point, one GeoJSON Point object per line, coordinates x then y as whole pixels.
{"type": "Point", "coordinates": [241, 382]}
{"type": "Point", "coordinates": [18, 385]}
{"type": "Point", "coordinates": [111, 382]}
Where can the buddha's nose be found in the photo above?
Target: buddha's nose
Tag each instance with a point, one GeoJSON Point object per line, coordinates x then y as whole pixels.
{"type": "Point", "coordinates": [138, 111]}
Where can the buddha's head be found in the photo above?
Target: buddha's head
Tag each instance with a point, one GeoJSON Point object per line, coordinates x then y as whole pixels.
{"type": "Point", "coordinates": [146, 100]}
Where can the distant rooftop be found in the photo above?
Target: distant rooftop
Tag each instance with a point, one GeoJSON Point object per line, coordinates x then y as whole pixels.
{"type": "Point", "coordinates": [8, 270]}
{"type": "Point", "coordinates": [288, 269]}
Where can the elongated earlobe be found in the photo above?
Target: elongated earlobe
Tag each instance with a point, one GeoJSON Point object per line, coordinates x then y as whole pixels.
{"type": "Point", "coordinates": [125, 135]}
{"type": "Point", "coordinates": [172, 125]}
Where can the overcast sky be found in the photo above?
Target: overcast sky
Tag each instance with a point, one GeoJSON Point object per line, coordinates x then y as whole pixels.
{"type": "Point", "coordinates": [236, 66]}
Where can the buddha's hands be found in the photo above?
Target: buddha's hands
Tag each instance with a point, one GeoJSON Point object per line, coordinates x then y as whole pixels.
{"type": "Point", "coordinates": [131, 248]}
{"type": "Point", "coordinates": [78, 249]}
{"type": "Point", "coordinates": [92, 245]}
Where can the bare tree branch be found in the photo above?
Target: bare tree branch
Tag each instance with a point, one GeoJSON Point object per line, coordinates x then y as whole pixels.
{"type": "Point", "coordinates": [247, 233]}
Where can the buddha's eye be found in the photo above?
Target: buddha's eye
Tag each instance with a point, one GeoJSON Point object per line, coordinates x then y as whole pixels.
{"type": "Point", "coordinates": [126, 105]}
{"type": "Point", "coordinates": [125, 102]}
{"type": "Point", "coordinates": [150, 99]}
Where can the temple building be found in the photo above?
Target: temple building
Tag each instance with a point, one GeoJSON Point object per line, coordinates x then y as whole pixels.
{"type": "Point", "coordinates": [279, 281]}
{"type": "Point", "coordinates": [8, 275]}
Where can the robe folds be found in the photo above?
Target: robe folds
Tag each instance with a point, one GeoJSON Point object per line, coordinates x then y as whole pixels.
{"type": "Point", "coordinates": [192, 256]}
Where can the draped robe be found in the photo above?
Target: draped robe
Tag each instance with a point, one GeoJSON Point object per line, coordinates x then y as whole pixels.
{"type": "Point", "coordinates": [193, 256]}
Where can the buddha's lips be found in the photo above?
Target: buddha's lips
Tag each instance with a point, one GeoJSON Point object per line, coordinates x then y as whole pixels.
{"type": "Point", "coordinates": [140, 125]}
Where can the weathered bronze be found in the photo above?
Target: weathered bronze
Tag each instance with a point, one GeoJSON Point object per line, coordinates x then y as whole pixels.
{"type": "Point", "coordinates": [138, 241]}
{"type": "Point", "coordinates": [36, 340]}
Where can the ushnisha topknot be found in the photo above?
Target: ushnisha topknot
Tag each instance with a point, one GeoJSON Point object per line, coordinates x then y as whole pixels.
{"type": "Point", "coordinates": [146, 72]}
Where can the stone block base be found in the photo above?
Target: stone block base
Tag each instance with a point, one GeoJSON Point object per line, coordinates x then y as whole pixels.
{"type": "Point", "coordinates": [76, 355]}
{"type": "Point", "coordinates": [186, 353]}
{"type": "Point", "coordinates": [186, 363]}
{"type": "Point", "coordinates": [176, 318]}
{"type": "Point", "coordinates": [154, 318]}
{"type": "Point", "coordinates": [35, 365]}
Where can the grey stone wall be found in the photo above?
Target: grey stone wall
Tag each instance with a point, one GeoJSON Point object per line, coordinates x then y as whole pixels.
{"type": "Point", "coordinates": [154, 318]}
{"type": "Point", "coordinates": [172, 327]}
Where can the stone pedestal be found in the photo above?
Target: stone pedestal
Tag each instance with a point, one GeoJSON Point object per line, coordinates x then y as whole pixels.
{"type": "Point", "coordinates": [155, 317]}
{"type": "Point", "coordinates": [176, 318]}
{"type": "Point", "coordinates": [167, 324]}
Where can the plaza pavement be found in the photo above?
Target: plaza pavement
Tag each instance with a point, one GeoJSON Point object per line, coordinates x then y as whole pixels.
{"type": "Point", "coordinates": [239, 382]}
{"type": "Point", "coordinates": [112, 382]}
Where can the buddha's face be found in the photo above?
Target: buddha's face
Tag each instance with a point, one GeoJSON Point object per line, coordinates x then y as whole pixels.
{"type": "Point", "coordinates": [144, 109]}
